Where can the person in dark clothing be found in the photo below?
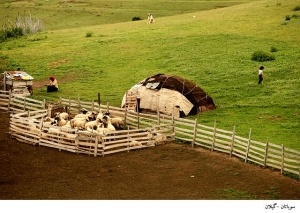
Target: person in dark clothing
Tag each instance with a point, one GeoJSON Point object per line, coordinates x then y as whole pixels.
{"type": "Point", "coordinates": [53, 85]}
{"type": "Point", "coordinates": [260, 74]}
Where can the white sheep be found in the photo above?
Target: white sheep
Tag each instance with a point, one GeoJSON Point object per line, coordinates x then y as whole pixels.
{"type": "Point", "coordinates": [70, 136]}
{"type": "Point", "coordinates": [78, 122]}
{"type": "Point", "coordinates": [117, 122]}
{"type": "Point", "coordinates": [110, 127]}
{"type": "Point", "coordinates": [53, 131]}
{"type": "Point", "coordinates": [81, 116]}
{"type": "Point", "coordinates": [34, 129]}
{"type": "Point", "coordinates": [100, 115]}
{"type": "Point", "coordinates": [134, 143]}
{"type": "Point", "coordinates": [63, 115]}
{"type": "Point", "coordinates": [107, 123]}
{"type": "Point", "coordinates": [89, 115]}
{"type": "Point", "coordinates": [48, 119]}
{"type": "Point", "coordinates": [68, 124]}
{"type": "Point", "coordinates": [160, 138]}
{"type": "Point", "coordinates": [60, 121]}
{"type": "Point", "coordinates": [91, 124]}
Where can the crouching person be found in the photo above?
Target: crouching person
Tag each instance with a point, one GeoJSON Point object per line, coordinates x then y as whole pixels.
{"type": "Point", "coordinates": [53, 85]}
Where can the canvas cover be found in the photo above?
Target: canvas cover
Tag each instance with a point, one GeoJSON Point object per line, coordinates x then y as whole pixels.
{"type": "Point", "coordinates": [169, 93]}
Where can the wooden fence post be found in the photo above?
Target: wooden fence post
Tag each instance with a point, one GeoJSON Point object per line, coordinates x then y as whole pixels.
{"type": "Point", "coordinates": [158, 116]}
{"type": "Point", "coordinates": [44, 104]}
{"type": "Point", "coordinates": [99, 100]}
{"type": "Point", "coordinates": [195, 132]}
{"type": "Point", "coordinates": [107, 106]}
{"type": "Point", "coordinates": [214, 136]}
{"type": "Point", "coordinates": [138, 119]}
{"type": "Point", "coordinates": [173, 124]}
{"type": "Point", "coordinates": [96, 146]}
{"type": "Point", "coordinates": [266, 154]}
{"type": "Point", "coordinates": [248, 146]}
{"type": "Point", "coordinates": [93, 105]}
{"type": "Point", "coordinates": [69, 105]}
{"type": "Point", "coordinates": [9, 100]}
{"type": "Point", "coordinates": [79, 105]}
{"type": "Point", "coordinates": [282, 159]}
{"type": "Point", "coordinates": [24, 104]}
{"type": "Point", "coordinates": [128, 146]}
{"type": "Point", "coordinates": [232, 140]}
{"type": "Point", "coordinates": [125, 116]}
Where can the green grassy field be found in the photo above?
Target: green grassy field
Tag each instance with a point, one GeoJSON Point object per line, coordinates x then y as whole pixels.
{"type": "Point", "coordinates": [208, 42]}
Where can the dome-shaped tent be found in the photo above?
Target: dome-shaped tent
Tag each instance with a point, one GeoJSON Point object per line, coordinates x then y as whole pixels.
{"type": "Point", "coordinates": [171, 95]}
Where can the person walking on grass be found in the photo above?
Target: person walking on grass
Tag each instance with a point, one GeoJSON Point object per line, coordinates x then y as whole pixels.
{"type": "Point", "coordinates": [260, 74]}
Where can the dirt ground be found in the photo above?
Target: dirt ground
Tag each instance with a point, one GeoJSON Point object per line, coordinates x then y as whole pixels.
{"type": "Point", "coordinates": [168, 172]}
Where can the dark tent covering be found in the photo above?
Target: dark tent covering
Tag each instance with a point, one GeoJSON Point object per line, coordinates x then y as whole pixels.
{"type": "Point", "coordinates": [197, 96]}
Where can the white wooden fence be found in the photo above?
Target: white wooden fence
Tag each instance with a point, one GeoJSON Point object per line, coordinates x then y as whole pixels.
{"type": "Point", "coordinates": [16, 103]}
{"type": "Point", "coordinates": [286, 160]}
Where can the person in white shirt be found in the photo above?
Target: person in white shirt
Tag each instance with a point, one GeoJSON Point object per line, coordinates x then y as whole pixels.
{"type": "Point", "coordinates": [260, 74]}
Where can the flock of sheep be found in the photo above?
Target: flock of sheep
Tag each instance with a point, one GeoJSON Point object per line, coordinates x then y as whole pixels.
{"type": "Point", "coordinates": [90, 121]}
{"type": "Point", "coordinates": [87, 121]}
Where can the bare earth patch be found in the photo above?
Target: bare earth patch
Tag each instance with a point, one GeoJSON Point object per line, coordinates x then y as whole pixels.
{"type": "Point", "coordinates": [41, 83]}
{"type": "Point", "coordinates": [169, 172]}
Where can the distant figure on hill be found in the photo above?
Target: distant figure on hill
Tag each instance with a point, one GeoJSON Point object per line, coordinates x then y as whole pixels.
{"type": "Point", "coordinates": [150, 18]}
{"type": "Point", "coordinates": [260, 74]}
{"type": "Point", "coordinates": [53, 85]}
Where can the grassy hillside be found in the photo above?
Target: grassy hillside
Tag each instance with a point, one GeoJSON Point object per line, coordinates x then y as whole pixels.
{"type": "Point", "coordinates": [212, 48]}
{"type": "Point", "coordinates": [59, 14]}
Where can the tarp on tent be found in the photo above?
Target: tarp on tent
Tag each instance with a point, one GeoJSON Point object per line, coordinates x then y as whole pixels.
{"type": "Point", "coordinates": [172, 95]}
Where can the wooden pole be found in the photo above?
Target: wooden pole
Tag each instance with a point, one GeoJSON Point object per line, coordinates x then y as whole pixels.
{"type": "Point", "coordinates": [44, 104]}
{"type": "Point", "coordinates": [93, 105]}
{"type": "Point", "coordinates": [128, 146]}
{"type": "Point", "coordinates": [9, 101]}
{"type": "Point", "coordinates": [125, 116]}
{"type": "Point", "coordinates": [4, 80]}
{"type": "Point", "coordinates": [248, 146]}
{"type": "Point", "coordinates": [138, 119]}
{"type": "Point", "coordinates": [79, 105]}
{"type": "Point", "coordinates": [69, 105]}
{"type": "Point", "coordinates": [107, 106]}
{"type": "Point", "coordinates": [214, 136]}
{"type": "Point", "coordinates": [266, 154]}
{"type": "Point", "coordinates": [158, 116]}
{"type": "Point", "coordinates": [96, 146]}
{"type": "Point", "coordinates": [158, 113]}
{"type": "Point", "coordinates": [232, 140]}
{"type": "Point", "coordinates": [99, 99]}
{"type": "Point", "coordinates": [195, 133]}
{"type": "Point", "coordinates": [282, 159]}
{"type": "Point", "coordinates": [173, 124]}
{"type": "Point", "coordinates": [24, 104]}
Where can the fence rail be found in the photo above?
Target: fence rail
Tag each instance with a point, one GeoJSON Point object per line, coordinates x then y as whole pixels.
{"type": "Point", "coordinates": [267, 154]}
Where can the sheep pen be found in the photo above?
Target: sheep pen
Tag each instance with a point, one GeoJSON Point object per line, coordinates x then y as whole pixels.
{"type": "Point", "coordinates": [87, 130]}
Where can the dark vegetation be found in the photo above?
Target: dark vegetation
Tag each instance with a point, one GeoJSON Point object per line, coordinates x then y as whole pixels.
{"type": "Point", "coordinates": [262, 56]}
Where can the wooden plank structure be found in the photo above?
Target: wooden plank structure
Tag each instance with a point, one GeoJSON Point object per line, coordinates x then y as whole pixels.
{"type": "Point", "coordinates": [4, 99]}
{"type": "Point", "coordinates": [147, 130]}
{"type": "Point", "coordinates": [131, 101]}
